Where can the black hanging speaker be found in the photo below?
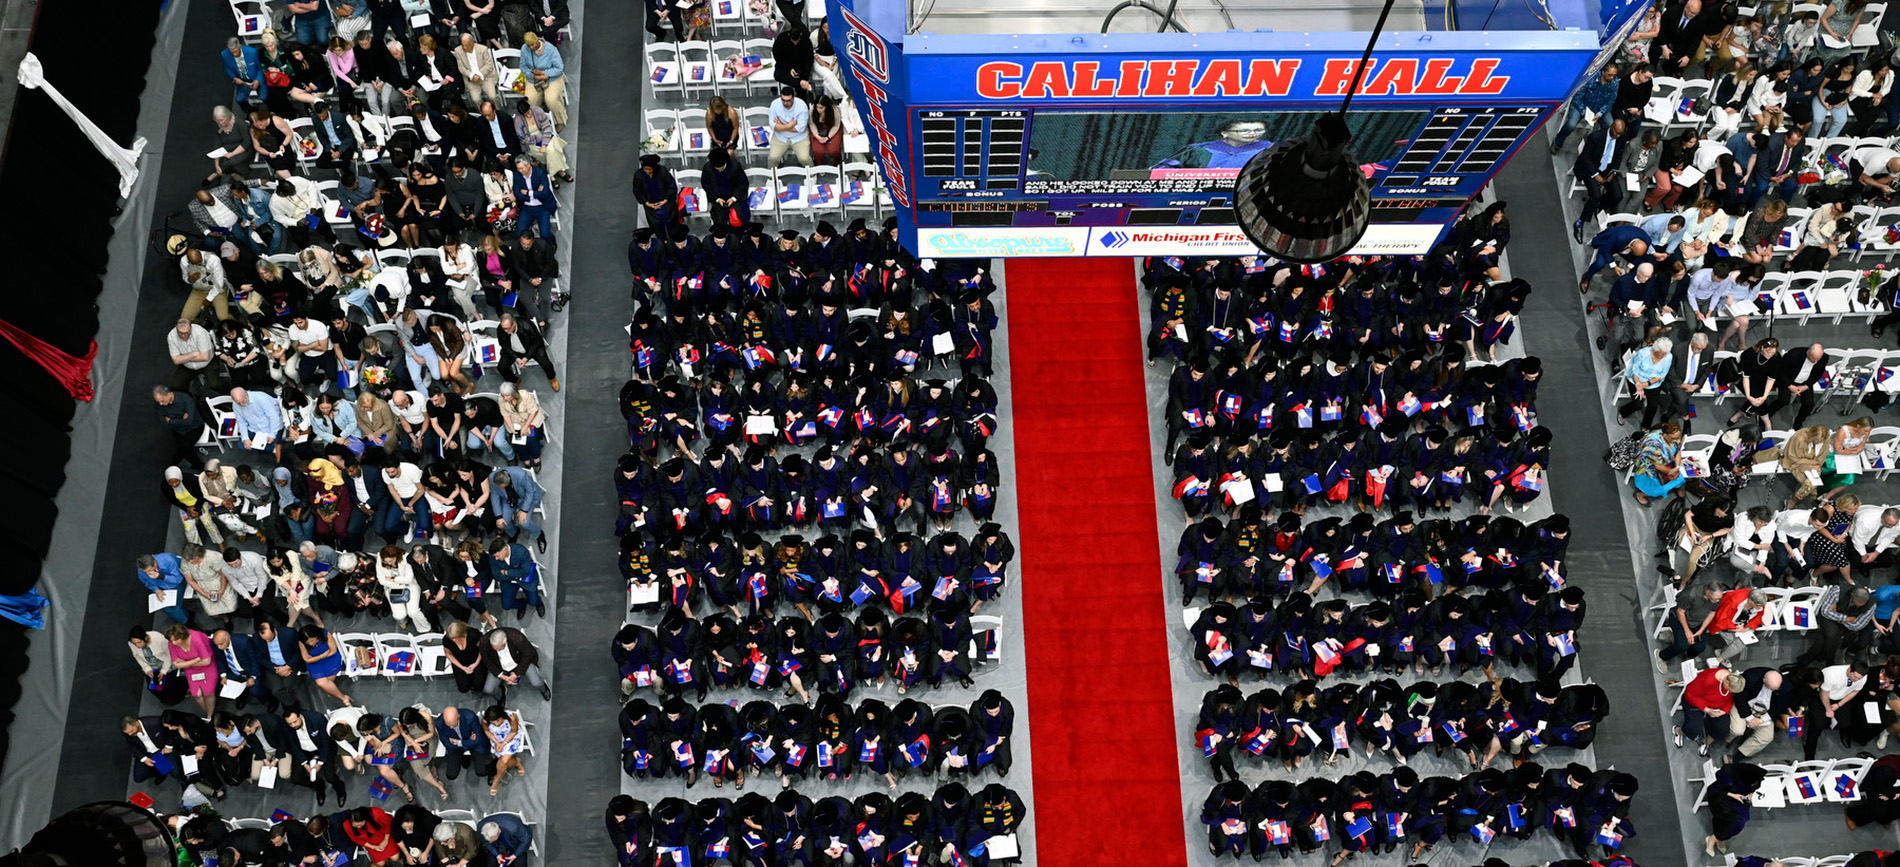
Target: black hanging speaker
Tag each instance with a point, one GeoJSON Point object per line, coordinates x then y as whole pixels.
{"type": "Point", "coordinates": [1305, 199]}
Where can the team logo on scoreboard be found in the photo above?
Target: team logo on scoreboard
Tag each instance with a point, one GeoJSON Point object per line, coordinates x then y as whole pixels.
{"type": "Point", "coordinates": [866, 49]}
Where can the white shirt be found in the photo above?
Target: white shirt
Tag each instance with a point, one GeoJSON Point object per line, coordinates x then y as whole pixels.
{"type": "Point", "coordinates": [1874, 158]}
{"type": "Point", "coordinates": [408, 476]}
{"type": "Point", "coordinates": [1745, 535]}
{"type": "Point", "coordinates": [415, 413]}
{"type": "Point", "coordinates": [1868, 534]}
{"type": "Point", "coordinates": [221, 214]}
{"type": "Point", "coordinates": [1837, 684]}
{"type": "Point", "coordinates": [312, 331]}
{"type": "Point", "coordinates": [1792, 526]}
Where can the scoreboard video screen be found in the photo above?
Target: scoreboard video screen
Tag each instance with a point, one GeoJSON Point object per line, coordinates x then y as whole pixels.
{"type": "Point", "coordinates": [1129, 144]}
{"type": "Point", "coordinates": [983, 167]}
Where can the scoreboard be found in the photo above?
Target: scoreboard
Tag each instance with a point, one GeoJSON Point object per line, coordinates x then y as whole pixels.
{"type": "Point", "coordinates": [1128, 144]}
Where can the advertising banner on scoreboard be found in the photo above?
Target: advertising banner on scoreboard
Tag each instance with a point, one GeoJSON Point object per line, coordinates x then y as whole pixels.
{"type": "Point", "coordinates": [1129, 144]}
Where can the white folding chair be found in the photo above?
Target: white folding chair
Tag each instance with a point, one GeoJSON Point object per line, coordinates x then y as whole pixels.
{"type": "Point", "coordinates": [432, 659]}
{"type": "Point", "coordinates": [761, 79]}
{"type": "Point", "coordinates": [825, 193]}
{"type": "Point", "coordinates": [1834, 297]}
{"type": "Point", "coordinates": [251, 822]}
{"type": "Point", "coordinates": [663, 69]}
{"type": "Point", "coordinates": [762, 191]}
{"type": "Point", "coordinates": [980, 624]}
{"type": "Point", "coordinates": [690, 179]}
{"type": "Point", "coordinates": [531, 846]}
{"type": "Point", "coordinates": [485, 342]}
{"type": "Point", "coordinates": [1808, 783]}
{"type": "Point", "coordinates": [1791, 236]}
{"type": "Point", "coordinates": [696, 140]}
{"type": "Point", "coordinates": [758, 132]}
{"type": "Point", "coordinates": [348, 644]}
{"type": "Point", "coordinates": [858, 188]}
{"type": "Point", "coordinates": [1867, 35]}
{"type": "Point", "coordinates": [1853, 375]}
{"type": "Point", "coordinates": [663, 121]}
{"type": "Point", "coordinates": [1684, 96]}
{"type": "Point", "coordinates": [1851, 770]}
{"type": "Point", "coordinates": [1873, 235]}
{"type": "Point", "coordinates": [696, 67]}
{"type": "Point", "coordinates": [508, 65]}
{"type": "Point", "coordinates": [793, 192]}
{"type": "Point", "coordinates": [725, 58]}
{"type": "Point", "coordinates": [223, 418]}
{"type": "Point", "coordinates": [388, 647]}
{"type": "Point", "coordinates": [252, 20]}
{"type": "Point", "coordinates": [728, 16]}
{"type": "Point", "coordinates": [1881, 445]}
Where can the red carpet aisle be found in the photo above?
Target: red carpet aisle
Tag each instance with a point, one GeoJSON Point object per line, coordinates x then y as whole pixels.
{"type": "Point", "coordinates": [1107, 787]}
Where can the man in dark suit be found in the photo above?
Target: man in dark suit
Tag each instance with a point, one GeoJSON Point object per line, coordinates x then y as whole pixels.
{"type": "Point", "coordinates": [282, 664]}
{"type": "Point", "coordinates": [240, 659]}
{"type": "Point", "coordinates": [1799, 374]}
{"type": "Point", "coordinates": [1595, 168]}
{"type": "Point", "coordinates": [270, 739]}
{"type": "Point", "coordinates": [333, 136]}
{"type": "Point", "coordinates": [521, 342]}
{"type": "Point", "coordinates": [535, 272]}
{"type": "Point", "coordinates": [146, 737]}
{"type": "Point", "coordinates": [1778, 167]}
{"type": "Point", "coordinates": [465, 743]}
{"type": "Point", "coordinates": [314, 754]}
{"type": "Point", "coordinates": [381, 514]}
{"type": "Point", "coordinates": [1683, 29]}
{"type": "Point", "coordinates": [1644, 286]}
{"type": "Point", "coordinates": [1693, 363]}
{"type": "Point", "coordinates": [1628, 241]}
{"type": "Point", "coordinates": [496, 132]}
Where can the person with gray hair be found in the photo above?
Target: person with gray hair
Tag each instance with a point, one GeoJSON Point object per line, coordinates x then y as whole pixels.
{"type": "Point", "coordinates": [456, 844]}
{"type": "Point", "coordinates": [1872, 537]}
{"type": "Point", "coordinates": [1741, 610]}
{"type": "Point", "coordinates": [510, 659]}
{"type": "Point", "coordinates": [246, 72]}
{"type": "Point", "coordinates": [1845, 616]}
{"type": "Point", "coordinates": [506, 838]}
{"type": "Point", "coordinates": [1648, 366]}
{"type": "Point", "coordinates": [1687, 374]}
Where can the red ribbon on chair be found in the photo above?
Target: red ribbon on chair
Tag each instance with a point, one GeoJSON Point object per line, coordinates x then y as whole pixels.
{"type": "Point", "coordinates": [72, 372]}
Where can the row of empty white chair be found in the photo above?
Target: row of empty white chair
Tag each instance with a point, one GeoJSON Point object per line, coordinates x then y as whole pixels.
{"type": "Point", "coordinates": [792, 191]}
{"type": "Point", "coordinates": [705, 67]}
{"type": "Point", "coordinates": [1819, 781]}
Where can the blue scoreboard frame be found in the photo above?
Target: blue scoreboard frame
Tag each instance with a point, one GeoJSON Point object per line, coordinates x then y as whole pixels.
{"type": "Point", "coordinates": [954, 121]}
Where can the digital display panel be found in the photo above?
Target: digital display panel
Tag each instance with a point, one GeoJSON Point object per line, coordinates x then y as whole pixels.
{"type": "Point", "coordinates": [1075, 175]}
{"type": "Point", "coordinates": [1183, 151]}
{"type": "Point", "coordinates": [1128, 144]}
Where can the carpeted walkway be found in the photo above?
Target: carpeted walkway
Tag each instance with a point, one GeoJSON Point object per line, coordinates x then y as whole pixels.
{"type": "Point", "coordinates": [1106, 781]}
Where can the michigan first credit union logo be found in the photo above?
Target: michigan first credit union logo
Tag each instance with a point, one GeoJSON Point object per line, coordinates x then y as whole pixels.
{"type": "Point", "coordinates": [1111, 240]}
{"type": "Point", "coordinates": [866, 48]}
